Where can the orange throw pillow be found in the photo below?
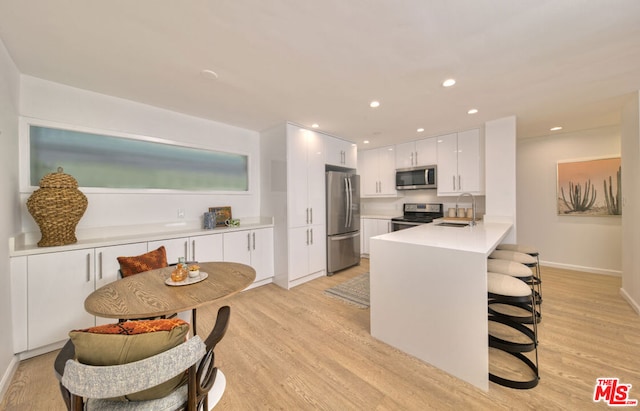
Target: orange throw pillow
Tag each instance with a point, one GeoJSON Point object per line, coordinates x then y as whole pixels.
{"type": "Point", "coordinates": [145, 262]}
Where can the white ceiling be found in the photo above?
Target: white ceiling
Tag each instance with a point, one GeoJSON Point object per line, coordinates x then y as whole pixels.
{"type": "Point", "coordinates": [549, 62]}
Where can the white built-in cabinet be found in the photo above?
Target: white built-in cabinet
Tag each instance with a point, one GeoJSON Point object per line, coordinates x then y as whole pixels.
{"type": "Point", "coordinates": [372, 227]}
{"type": "Point", "coordinates": [305, 177]}
{"type": "Point", "coordinates": [197, 248]}
{"type": "Point", "coordinates": [307, 251]}
{"type": "Point", "coordinates": [461, 163]}
{"type": "Point", "coordinates": [254, 248]}
{"type": "Point", "coordinates": [48, 289]}
{"type": "Point", "coordinates": [57, 285]}
{"type": "Point", "coordinates": [377, 169]}
{"type": "Point", "coordinates": [417, 153]}
{"type": "Point", "coordinates": [340, 152]}
{"type": "Point", "coordinates": [305, 204]}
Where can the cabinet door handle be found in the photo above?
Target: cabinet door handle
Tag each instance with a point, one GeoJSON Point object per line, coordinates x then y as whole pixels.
{"type": "Point", "coordinates": [311, 214]}
{"type": "Point", "coordinates": [193, 250]}
{"type": "Point", "coordinates": [307, 236]}
{"type": "Point", "coordinates": [312, 236]}
{"type": "Point", "coordinates": [186, 252]}
{"type": "Point", "coordinates": [411, 159]}
{"type": "Point", "coordinates": [248, 242]}
{"type": "Point", "coordinates": [307, 220]}
{"type": "Point", "coordinates": [454, 183]}
{"type": "Point", "coordinates": [100, 263]}
{"type": "Point", "coordinates": [88, 267]}
{"type": "Point", "coordinates": [459, 183]}
{"type": "Point", "coordinates": [416, 159]}
{"type": "Point", "coordinates": [253, 235]}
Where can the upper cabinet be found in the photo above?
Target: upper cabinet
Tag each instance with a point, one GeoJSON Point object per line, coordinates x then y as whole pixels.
{"type": "Point", "coordinates": [461, 163]}
{"type": "Point", "coordinates": [340, 152]}
{"type": "Point", "coordinates": [417, 153]}
{"type": "Point", "coordinates": [377, 169]}
{"type": "Point", "coordinates": [305, 174]}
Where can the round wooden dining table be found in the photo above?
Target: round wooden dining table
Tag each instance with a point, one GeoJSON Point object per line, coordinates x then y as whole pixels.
{"type": "Point", "coordinates": [146, 295]}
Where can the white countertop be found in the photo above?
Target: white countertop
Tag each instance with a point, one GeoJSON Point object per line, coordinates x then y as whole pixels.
{"type": "Point", "coordinates": [25, 243]}
{"type": "Point", "coordinates": [481, 238]}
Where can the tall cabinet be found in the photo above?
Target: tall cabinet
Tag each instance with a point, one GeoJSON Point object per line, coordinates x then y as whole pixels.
{"type": "Point", "coordinates": [293, 191]}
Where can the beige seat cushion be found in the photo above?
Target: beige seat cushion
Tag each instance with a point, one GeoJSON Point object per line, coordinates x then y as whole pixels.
{"type": "Point", "coordinates": [521, 248]}
{"type": "Point", "coordinates": [513, 256]}
{"type": "Point", "coordinates": [502, 284]}
{"type": "Point", "coordinates": [509, 267]}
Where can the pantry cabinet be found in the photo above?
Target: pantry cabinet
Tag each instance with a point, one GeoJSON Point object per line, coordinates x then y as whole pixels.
{"type": "Point", "coordinates": [461, 163]}
{"type": "Point", "coordinates": [340, 152]}
{"type": "Point", "coordinates": [417, 153]}
{"type": "Point", "coordinates": [305, 177]}
{"type": "Point", "coordinates": [377, 169]}
{"type": "Point", "coordinates": [307, 251]}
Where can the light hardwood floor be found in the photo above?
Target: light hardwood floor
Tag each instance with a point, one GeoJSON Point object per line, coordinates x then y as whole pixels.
{"type": "Point", "coordinates": [302, 350]}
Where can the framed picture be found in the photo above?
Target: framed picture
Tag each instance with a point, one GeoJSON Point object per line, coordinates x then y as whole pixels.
{"type": "Point", "coordinates": [591, 187]}
{"type": "Point", "coordinates": [222, 214]}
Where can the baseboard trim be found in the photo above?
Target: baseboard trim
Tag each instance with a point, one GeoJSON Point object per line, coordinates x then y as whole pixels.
{"type": "Point", "coordinates": [593, 270]}
{"type": "Point", "coordinates": [8, 376]}
{"type": "Point", "coordinates": [630, 300]}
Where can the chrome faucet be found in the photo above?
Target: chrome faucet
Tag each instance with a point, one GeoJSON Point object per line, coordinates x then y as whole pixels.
{"type": "Point", "coordinates": [473, 207]}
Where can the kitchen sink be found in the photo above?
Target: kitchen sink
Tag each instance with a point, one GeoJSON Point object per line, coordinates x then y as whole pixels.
{"type": "Point", "coordinates": [447, 224]}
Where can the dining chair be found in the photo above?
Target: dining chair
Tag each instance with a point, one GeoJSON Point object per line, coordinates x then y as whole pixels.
{"type": "Point", "coordinates": [87, 387]}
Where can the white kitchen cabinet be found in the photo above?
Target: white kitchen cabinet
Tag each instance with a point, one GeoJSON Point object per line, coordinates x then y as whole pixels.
{"type": "Point", "coordinates": [58, 284]}
{"type": "Point", "coordinates": [196, 248]}
{"type": "Point", "coordinates": [340, 152]}
{"type": "Point", "coordinates": [461, 163]}
{"type": "Point", "coordinates": [307, 248]}
{"type": "Point", "coordinates": [377, 169]}
{"type": "Point", "coordinates": [107, 267]}
{"type": "Point", "coordinates": [251, 247]}
{"type": "Point", "coordinates": [372, 227]}
{"type": "Point", "coordinates": [417, 153]}
{"type": "Point", "coordinates": [305, 177]}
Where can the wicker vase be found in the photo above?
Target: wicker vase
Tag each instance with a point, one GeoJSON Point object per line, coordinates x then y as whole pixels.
{"type": "Point", "coordinates": [57, 206]}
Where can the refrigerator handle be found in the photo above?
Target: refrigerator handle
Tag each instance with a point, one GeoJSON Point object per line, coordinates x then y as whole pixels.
{"type": "Point", "coordinates": [350, 203]}
{"type": "Point", "coordinates": [346, 202]}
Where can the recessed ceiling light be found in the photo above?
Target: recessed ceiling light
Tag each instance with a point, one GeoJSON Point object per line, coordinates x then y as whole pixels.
{"type": "Point", "coordinates": [448, 82]}
{"type": "Point", "coordinates": [472, 111]}
{"type": "Point", "coordinates": [365, 142]}
{"type": "Point", "coordinates": [374, 104]}
{"type": "Point", "coordinates": [210, 74]}
{"type": "Point", "coordinates": [556, 128]}
{"type": "Point", "coordinates": [420, 130]}
{"type": "Point", "coordinates": [315, 125]}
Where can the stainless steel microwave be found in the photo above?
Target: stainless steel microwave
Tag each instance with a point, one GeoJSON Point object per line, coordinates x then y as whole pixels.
{"type": "Point", "coordinates": [415, 178]}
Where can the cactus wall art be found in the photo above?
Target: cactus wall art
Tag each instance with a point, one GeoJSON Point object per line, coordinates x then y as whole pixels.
{"type": "Point", "coordinates": [580, 191]}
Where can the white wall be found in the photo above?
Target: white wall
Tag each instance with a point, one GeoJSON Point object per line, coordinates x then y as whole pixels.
{"type": "Point", "coordinates": [500, 172]}
{"type": "Point", "coordinates": [56, 102]}
{"type": "Point", "coordinates": [9, 207]}
{"type": "Point", "coordinates": [590, 244]}
{"type": "Point", "coordinates": [631, 201]}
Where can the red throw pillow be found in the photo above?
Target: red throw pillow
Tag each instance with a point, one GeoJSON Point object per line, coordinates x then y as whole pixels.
{"type": "Point", "coordinates": [145, 262]}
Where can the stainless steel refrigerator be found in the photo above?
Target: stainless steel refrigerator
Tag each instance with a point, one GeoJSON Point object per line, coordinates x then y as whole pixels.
{"type": "Point", "coordinates": [343, 220]}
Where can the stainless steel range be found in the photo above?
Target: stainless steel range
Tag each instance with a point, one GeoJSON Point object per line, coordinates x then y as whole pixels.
{"type": "Point", "coordinates": [416, 214]}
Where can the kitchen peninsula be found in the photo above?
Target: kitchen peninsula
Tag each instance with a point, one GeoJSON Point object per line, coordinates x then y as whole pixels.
{"type": "Point", "coordinates": [429, 295]}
